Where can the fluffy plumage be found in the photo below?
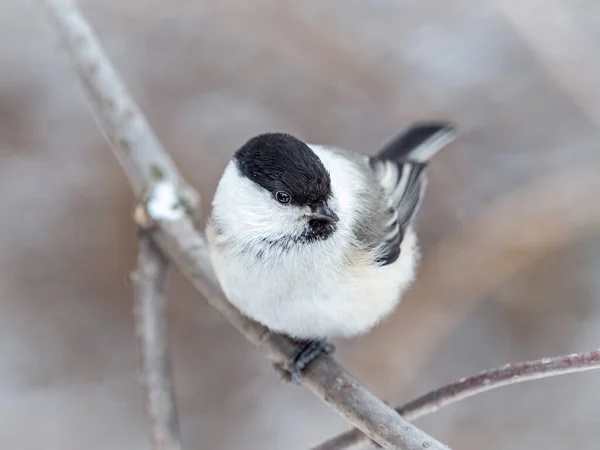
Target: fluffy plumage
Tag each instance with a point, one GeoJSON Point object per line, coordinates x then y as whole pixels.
{"type": "Point", "coordinates": [336, 258]}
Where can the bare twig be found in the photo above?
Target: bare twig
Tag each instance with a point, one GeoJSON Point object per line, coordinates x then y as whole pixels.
{"type": "Point", "coordinates": [151, 284]}
{"type": "Point", "coordinates": [476, 384]}
{"type": "Point", "coordinates": [155, 179]}
{"type": "Point", "coordinates": [495, 378]}
{"type": "Point", "coordinates": [127, 130]}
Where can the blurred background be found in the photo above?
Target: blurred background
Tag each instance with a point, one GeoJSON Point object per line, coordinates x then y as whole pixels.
{"type": "Point", "coordinates": [510, 223]}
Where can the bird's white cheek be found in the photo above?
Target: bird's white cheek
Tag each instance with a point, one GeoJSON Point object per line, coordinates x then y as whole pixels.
{"type": "Point", "coordinates": [272, 221]}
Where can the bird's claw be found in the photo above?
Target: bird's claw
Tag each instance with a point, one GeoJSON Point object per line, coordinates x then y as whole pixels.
{"type": "Point", "coordinates": [306, 353]}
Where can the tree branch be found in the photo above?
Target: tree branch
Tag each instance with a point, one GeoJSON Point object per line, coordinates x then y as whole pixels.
{"type": "Point", "coordinates": [124, 126]}
{"type": "Point", "coordinates": [165, 201]}
{"type": "Point", "coordinates": [151, 285]}
{"type": "Point", "coordinates": [476, 384]}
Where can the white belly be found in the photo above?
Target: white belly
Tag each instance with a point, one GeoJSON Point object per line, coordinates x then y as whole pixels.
{"type": "Point", "coordinates": [307, 297]}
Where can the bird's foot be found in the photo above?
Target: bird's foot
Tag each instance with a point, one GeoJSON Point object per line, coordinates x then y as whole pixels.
{"type": "Point", "coordinates": [306, 353]}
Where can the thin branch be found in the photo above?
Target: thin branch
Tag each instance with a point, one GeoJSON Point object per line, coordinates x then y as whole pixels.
{"type": "Point", "coordinates": [151, 172]}
{"type": "Point", "coordinates": [495, 378]}
{"type": "Point", "coordinates": [476, 384]}
{"type": "Point", "coordinates": [151, 285]}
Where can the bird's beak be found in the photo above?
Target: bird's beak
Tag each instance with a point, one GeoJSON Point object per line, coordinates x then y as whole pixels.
{"type": "Point", "coordinates": [324, 212]}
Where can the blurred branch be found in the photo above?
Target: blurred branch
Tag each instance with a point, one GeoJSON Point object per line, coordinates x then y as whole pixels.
{"type": "Point", "coordinates": [151, 285]}
{"type": "Point", "coordinates": [560, 47]}
{"type": "Point", "coordinates": [476, 384]}
{"type": "Point", "coordinates": [165, 204]}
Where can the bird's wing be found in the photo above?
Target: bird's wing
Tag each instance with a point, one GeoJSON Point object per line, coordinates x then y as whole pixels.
{"type": "Point", "coordinates": [399, 169]}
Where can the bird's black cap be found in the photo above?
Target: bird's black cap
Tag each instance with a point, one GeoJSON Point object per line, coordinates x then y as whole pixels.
{"type": "Point", "coordinates": [281, 162]}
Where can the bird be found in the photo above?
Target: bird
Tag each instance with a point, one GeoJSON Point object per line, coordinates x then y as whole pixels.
{"type": "Point", "coordinates": [316, 242]}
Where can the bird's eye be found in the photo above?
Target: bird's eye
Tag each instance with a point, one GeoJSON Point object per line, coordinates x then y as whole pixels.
{"type": "Point", "coordinates": [283, 197]}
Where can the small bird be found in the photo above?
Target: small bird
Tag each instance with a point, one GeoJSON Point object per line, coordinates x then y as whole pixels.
{"type": "Point", "coordinates": [317, 242]}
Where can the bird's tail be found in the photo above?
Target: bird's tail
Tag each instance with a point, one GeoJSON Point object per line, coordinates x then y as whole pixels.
{"type": "Point", "coordinates": [418, 143]}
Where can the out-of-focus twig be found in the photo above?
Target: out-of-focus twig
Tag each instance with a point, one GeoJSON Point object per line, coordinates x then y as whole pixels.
{"type": "Point", "coordinates": [151, 286]}
{"type": "Point", "coordinates": [476, 384]}
{"type": "Point", "coordinates": [560, 47]}
{"type": "Point", "coordinates": [165, 201]}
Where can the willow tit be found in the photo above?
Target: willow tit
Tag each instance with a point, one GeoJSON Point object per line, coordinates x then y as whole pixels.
{"type": "Point", "coordinates": [316, 242]}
